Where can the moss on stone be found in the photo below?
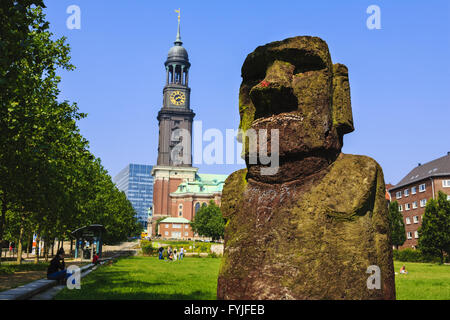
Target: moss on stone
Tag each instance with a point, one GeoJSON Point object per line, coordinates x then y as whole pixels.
{"type": "Point", "coordinates": [316, 247]}
{"type": "Point", "coordinates": [342, 109]}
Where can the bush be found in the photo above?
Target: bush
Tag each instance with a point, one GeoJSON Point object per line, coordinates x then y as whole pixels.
{"type": "Point", "coordinates": [202, 247]}
{"type": "Point", "coordinates": [213, 255]}
{"type": "Point", "coordinates": [147, 248]}
{"type": "Point", "coordinates": [411, 255]}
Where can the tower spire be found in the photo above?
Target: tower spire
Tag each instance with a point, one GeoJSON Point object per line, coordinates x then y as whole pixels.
{"type": "Point", "coordinates": [178, 39]}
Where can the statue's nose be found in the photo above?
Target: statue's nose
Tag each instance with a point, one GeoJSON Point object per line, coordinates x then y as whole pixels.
{"type": "Point", "coordinates": [271, 98]}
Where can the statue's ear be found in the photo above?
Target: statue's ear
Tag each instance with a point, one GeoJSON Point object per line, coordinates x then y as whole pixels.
{"type": "Point", "coordinates": [342, 108]}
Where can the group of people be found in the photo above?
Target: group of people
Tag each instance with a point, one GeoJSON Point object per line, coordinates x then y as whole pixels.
{"type": "Point", "coordinates": [171, 254]}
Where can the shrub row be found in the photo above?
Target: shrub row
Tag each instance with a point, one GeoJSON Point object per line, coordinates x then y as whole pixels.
{"type": "Point", "coordinates": [411, 255]}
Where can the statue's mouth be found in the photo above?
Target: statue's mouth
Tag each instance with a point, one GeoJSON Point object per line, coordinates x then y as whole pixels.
{"type": "Point", "coordinates": [277, 119]}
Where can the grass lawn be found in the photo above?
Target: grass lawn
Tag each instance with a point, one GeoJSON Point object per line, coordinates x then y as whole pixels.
{"type": "Point", "coordinates": [424, 281]}
{"type": "Point", "coordinates": [140, 277]}
{"type": "Point", "coordinates": [196, 278]}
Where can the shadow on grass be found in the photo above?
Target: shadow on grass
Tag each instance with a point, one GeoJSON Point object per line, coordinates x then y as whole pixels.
{"type": "Point", "coordinates": [116, 285]}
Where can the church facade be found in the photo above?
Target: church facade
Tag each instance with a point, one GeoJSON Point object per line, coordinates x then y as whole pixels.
{"type": "Point", "coordinates": [179, 190]}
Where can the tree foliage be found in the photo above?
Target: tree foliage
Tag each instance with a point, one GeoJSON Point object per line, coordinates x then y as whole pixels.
{"type": "Point", "coordinates": [434, 234]}
{"type": "Point", "coordinates": [398, 233]}
{"type": "Point", "coordinates": [50, 183]}
{"type": "Point", "coordinates": [209, 222]}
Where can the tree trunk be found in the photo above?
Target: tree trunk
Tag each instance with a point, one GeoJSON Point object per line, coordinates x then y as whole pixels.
{"type": "Point", "coordinates": [19, 247]}
{"type": "Point", "coordinates": [46, 244]}
{"type": "Point", "coordinates": [53, 247]}
{"type": "Point", "coordinates": [29, 245]}
{"type": "Point", "coordinates": [71, 247]}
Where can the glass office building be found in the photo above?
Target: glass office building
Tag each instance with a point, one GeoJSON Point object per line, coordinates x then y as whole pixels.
{"type": "Point", "coordinates": [137, 182]}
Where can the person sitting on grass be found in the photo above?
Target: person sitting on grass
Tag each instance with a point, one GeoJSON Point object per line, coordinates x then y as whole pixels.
{"type": "Point", "coordinates": [403, 270]}
{"type": "Point", "coordinates": [57, 269]}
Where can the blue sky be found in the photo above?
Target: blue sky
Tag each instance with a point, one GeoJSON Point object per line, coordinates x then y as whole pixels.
{"type": "Point", "coordinates": [399, 75]}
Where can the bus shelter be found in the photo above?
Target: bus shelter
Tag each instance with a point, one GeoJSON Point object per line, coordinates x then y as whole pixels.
{"type": "Point", "coordinates": [88, 238]}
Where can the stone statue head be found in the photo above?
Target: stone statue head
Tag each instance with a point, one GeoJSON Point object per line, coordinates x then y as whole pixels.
{"type": "Point", "coordinates": [292, 86]}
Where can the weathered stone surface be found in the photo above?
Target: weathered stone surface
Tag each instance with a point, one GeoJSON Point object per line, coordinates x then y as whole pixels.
{"type": "Point", "coordinates": [311, 230]}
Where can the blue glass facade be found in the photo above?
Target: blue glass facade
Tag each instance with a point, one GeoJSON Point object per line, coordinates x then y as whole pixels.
{"type": "Point", "coordinates": [137, 182]}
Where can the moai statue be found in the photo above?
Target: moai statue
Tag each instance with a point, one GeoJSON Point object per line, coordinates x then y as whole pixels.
{"type": "Point", "coordinates": [315, 228]}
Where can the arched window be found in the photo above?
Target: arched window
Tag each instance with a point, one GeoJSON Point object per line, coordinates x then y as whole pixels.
{"type": "Point", "coordinates": [180, 209]}
{"type": "Point", "coordinates": [197, 207]}
{"type": "Point", "coordinates": [204, 204]}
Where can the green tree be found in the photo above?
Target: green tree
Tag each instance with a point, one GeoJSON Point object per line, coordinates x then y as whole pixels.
{"type": "Point", "coordinates": [50, 184]}
{"type": "Point", "coordinates": [434, 234]}
{"type": "Point", "coordinates": [209, 222]}
{"type": "Point", "coordinates": [398, 233]}
{"type": "Point", "coordinates": [37, 132]}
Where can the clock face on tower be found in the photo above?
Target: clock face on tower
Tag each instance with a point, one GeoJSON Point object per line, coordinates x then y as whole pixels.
{"type": "Point", "coordinates": [177, 98]}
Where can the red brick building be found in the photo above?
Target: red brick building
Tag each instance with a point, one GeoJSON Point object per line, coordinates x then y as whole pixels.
{"type": "Point", "coordinates": [415, 189]}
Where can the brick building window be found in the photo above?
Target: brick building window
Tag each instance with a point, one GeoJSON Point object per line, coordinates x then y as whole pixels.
{"type": "Point", "coordinates": [180, 210]}
{"type": "Point", "coordinates": [422, 187]}
{"type": "Point", "coordinates": [413, 190]}
{"type": "Point", "coordinates": [166, 233]}
{"type": "Point", "coordinates": [186, 226]}
{"type": "Point", "coordinates": [400, 208]}
{"type": "Point", "coordinates": [414, 205]}
{"type": "Point", "coordinates": [407, 206]}
{"type": "Point", "coordinates": [398, 194]}
{"type": "Point", "coordinates": [406, 192]}
{"type": "Point", "coordinates": [409, 235]}
{"type": "Point", "coordinates": [423, 202]}
{"type": "Point", "coordinates": [176, 226]}
{"type": "Point", "coordinates": [408, 221]}
{"type": "Point", "coordinates": [446, 183]}
{"type": "Point", "coordinates": [416, 219]}
{"type": "Point", "coordinates": [186, 234]}
{"type": "Point", "coordinates": [416, 234]}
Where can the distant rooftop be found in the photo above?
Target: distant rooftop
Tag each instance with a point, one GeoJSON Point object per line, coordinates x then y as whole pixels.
{"type": "Point", "coordinates": [435, 168]}
{"type": "Point", "coordinates": [204, 183]}
{"type": "Point", "coordinates": [175, 220]}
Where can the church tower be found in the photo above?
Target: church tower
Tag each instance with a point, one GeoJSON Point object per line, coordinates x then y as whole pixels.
{"type": "Point", "coordinates": [175, 116]}
{"type": "Point", "coordinates": [174, 164]}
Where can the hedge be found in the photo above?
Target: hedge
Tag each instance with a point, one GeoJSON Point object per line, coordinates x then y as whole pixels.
{"type": "Point", "coordinates": [411, 255]}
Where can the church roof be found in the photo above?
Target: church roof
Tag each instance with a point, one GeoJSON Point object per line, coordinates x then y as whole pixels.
{"type": "Point", "coordinates": [204, 183]}
{"type": "Point", "coordinates": [178, 53]}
